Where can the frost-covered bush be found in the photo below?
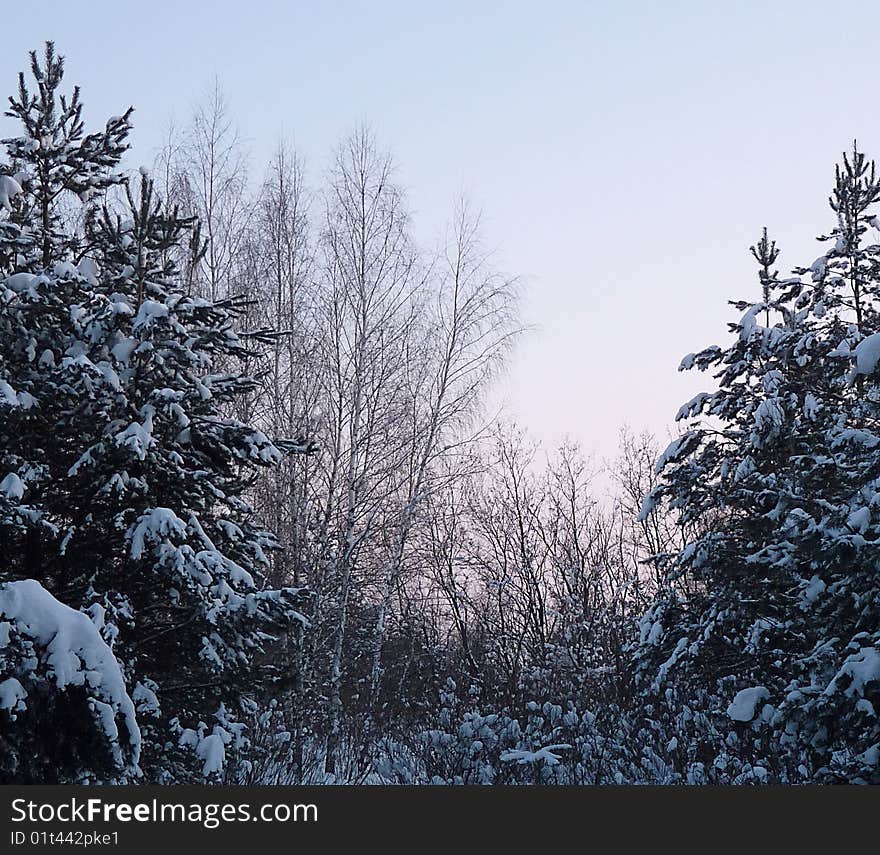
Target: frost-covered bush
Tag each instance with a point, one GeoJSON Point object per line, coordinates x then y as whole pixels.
{"type": "Point", "coordinates": [656, 741]}
{"type": "Point", "coordinates": [267, 752]}
{"type": "Point", "coordinates": [543, 743]}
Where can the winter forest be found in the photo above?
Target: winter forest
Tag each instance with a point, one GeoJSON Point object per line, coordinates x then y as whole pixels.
{"type": "Point", "coordinates": [260, 522]}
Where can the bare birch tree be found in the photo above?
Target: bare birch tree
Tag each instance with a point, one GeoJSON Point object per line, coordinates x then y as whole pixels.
{"type": "Point", "coordinates": [468, 323]}
{"type": "Point", "coordinates": [372, 292]}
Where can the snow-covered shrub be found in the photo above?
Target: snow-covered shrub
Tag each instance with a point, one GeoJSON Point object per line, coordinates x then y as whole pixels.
{"type": "Point", "coordinates": [543, 743]}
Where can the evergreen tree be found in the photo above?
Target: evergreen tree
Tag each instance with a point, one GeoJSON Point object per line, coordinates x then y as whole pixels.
{"type": "Point", "coordinates": [770, 620]}
{"type": "Point", "coordinates": [125, 479]}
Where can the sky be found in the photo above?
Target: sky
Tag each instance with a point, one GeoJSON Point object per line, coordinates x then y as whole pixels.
{"type": "Point", "coordinates": [625, 155]}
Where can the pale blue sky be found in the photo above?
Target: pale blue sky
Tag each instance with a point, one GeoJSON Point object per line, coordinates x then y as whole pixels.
{"type": "Point", "coordinates": [625, 155]}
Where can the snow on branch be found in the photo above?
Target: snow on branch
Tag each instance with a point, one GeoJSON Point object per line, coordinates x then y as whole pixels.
{"type": "Point", "coordinates": [75, 654]}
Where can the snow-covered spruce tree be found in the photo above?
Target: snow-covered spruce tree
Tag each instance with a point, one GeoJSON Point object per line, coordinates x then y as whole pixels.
{"type": "Point", "coordinates": [765, 643]}
{"type": "Point", "coordinates": [61, 694]}
{"type": "Point", "coordinates": [123, 479]}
